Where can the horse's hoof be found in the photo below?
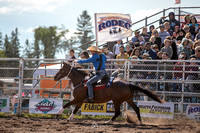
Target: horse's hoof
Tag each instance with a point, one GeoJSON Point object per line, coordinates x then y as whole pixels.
{"type": "Point", "coordinates": [56, 117]}
{"type": "Point", "coordinates": [109, 122]}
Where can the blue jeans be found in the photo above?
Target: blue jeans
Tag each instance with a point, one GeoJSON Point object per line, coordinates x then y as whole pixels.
{"type": "Point", "coordinates": [99, 75]}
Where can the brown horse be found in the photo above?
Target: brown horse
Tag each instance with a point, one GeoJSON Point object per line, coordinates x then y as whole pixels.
{"type": "Point", "coordinates": [119, 92]}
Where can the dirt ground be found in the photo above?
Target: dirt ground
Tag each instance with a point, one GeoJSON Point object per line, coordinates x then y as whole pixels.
{"type": "Point", "coordinates": [150, 125]}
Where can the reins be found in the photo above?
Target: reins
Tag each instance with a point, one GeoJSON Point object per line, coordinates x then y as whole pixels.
{"type": "Point", "coordinates": [70, 69]}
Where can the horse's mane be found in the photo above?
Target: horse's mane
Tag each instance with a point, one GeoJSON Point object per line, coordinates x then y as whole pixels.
{"type": "Point", "coordinates": [80, 71]}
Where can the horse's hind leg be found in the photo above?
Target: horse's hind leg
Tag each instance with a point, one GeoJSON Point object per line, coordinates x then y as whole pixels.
{"type": "Point", "coordinates": [74, 112]}
{"type": "Point", "coordinates": [135, 107]}
{"type": "Point", "coordinates": [117, 111]}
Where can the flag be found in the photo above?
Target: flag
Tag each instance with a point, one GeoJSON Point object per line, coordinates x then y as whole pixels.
{"type": "Point", "coordinates": [112, 26]}
{"type": "Point", "coordinates": [177, 1]}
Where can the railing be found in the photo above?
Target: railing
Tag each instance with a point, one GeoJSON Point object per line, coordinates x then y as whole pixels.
{"type": "Point", "coordinates": [145, 21]}
{"type": "Point", "coordinates": [159, 76]}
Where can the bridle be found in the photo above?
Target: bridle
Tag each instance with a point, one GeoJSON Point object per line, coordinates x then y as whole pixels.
{"type": "Point", "coordinates": [70, 69]}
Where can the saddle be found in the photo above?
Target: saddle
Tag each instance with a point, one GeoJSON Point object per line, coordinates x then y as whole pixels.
{"type": "Point", "coordinates": [101, 84]}
{"type": "Point", "coordinates": [106, 81]}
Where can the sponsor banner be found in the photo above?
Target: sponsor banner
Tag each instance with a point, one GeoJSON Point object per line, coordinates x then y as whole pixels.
{"type": "Point", "coordinates": [4, 104]}
{"type": "Point", "coordinates": [193, 112]}
{"type": "Point", "coordinates": [45, 106]}
{"type": "Point", "coordinates": [97, 108]}
{"type": "Point", "coordinates": [112, 26]}
{"type": "Point", "coordinates": [156, 110]}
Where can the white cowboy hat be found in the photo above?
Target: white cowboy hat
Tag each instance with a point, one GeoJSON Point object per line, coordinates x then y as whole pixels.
{"type": "Point", "coordinates": [94, 48]}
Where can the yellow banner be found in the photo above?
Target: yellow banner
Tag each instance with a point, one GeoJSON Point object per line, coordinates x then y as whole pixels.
{"type": "Point", "coordinates": [94, 107]}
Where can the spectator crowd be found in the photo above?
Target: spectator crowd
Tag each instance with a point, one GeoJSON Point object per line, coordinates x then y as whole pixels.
{"type": "Point", "coordinates": [172, 41]}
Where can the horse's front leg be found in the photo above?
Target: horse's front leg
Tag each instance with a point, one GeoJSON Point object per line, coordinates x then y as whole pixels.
{"type": "Point", "coordinates": [74, 101]}
{"type": "Point", "coordinates": [74, 112]}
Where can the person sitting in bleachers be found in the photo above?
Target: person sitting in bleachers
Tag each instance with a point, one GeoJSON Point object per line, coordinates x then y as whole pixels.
{"type": "Point", "coordinates": [183, 47]}
{"type": "Point", "coordinates": [186, 20]}
{"type": "Point", "coordinates": [167, 48]}
{"type": "Point", "coordinates": [158, 39]}
{"type": "Point", "coordinates": [135, 38]}
{"type": "Point", "coordinates": [116, 48]}
{"type": "Point", "coordinates": [172, 21]}
{"type": "Point", "coordinates": [193, 26]}
{"type": "Point", "coordinates": [192, 68]}
{"type": "Point", "coordinates": [149, 51]}
{"type": "Point", "coordinates": [122, 55]}
{"type": "Point", "coordinates": [151, 28]}
{"type": "Point", "coordinates": [145, 35]}
{"type": "Point", "coordinates": [178, 75]}
{"type": "Point", "coordinates": [163, 34]}
{"type": "Point", "coordinates": [167, 28]}
{"type": "Point", "coordinates": [180, 35]}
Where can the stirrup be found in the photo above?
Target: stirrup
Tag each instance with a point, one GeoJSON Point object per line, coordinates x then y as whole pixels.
{"type": "Point", "coordinates": [88, 100]}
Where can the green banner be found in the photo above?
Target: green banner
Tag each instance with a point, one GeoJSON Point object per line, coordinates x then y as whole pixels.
{"type": "Point", "coordinates": [3, 102]}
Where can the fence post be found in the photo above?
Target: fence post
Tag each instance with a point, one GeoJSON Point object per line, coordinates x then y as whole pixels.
{"type": "Point", "coordinates": [21, 75]}
{"type": "Point", "coordinates": [163, 12]}
{"type": "Point", "coordinates": [179, 13]}
{"type": "Point", "coordinates": [146, 21]}
{"type": "Point", "coordinates": [183, 87]}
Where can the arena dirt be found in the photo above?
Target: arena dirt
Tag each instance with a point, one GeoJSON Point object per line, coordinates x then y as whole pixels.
{"type": "Point", "coordinates": [150, 125]}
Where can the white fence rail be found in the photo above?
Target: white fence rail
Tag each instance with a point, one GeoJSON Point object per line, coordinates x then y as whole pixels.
{"type": "Point", "coordinates": [175, 81]}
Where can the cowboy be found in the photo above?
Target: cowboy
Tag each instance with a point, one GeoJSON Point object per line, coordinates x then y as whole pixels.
{"type": "Point", "coordinates": [98, 59]}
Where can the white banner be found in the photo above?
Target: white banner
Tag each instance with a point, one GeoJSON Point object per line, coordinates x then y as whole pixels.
{"type": "Point", "coordinates": [112, 26]}
{"type": "Point", "coordinates": [156, 110]}
{"type": "Point", "coordinates": [4, 104]}
{"type": "Point", "coordinates": [193, 112]}
{"type": "Point", "coordinates": [45, 106]}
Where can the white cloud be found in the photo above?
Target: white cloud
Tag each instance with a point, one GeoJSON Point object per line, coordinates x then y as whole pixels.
{"type": "Point", "coordinates": [27, 30]}
{"type": "Point", "coordinates": [4, 10]}
{"type": "Point", "coordinates": [71, 33]}
{"type": "Point", "coordinates": [30, 5]}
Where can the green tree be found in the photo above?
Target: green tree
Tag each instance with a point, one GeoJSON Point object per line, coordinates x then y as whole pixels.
{"type": "Point", "coordinates": [11, 45]}
{"type": "Point", "coordinates": [1, 40]}
{"type": "Point", "coordinates": [15, 43]}
{"type": "Point", "coordinates": [84, 33]}
{"type": "Point", "coordinates": [28, 53]}
{"type": "Point", "coordinates": [48, 41]}
{"type": "Point", "coordinates": [2, 53]}
{"type": "Point", "coordinates": [7, 47]}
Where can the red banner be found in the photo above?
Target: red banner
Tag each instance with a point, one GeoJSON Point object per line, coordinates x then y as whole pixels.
{"type": "Point", "coordinates": [177, 1]}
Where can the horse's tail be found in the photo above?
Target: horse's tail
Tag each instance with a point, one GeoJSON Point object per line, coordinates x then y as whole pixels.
{"type": "Point", "coordinates": [147, 92]}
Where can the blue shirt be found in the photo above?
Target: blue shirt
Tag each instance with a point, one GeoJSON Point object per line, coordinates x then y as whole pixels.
{"type": "Point", "coordinates": [95, 59]}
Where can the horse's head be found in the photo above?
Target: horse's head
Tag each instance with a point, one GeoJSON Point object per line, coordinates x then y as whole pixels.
{"type": "Point", "coordinates": [64, 71]}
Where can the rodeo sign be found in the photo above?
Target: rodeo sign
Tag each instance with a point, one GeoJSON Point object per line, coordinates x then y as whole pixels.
{"type": "Point", "coordinates": [112, 26]}
{"type": "Point", "coordinates": [45, 106]}
{"type": "Point", "coordinates": [193, 112]}
{"type": "Point", "coordinates": [98, 108]}
{"type": "Point", "coordinates": [4, 104]}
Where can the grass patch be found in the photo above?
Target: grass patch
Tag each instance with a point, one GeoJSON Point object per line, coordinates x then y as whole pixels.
{"type": "Point", "coordinates": [50, 116]}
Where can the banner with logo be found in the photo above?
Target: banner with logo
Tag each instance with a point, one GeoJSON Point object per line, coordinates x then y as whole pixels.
{"type": "Point", "coordinates": [4, 104]}
{"type": "Point", "coordinates": [193, 112]}
{"type": "Point", "coordinates": [156, 110]}
{"type": "Point", "coordinates": [98, 108]}
{"type": "Point", "coordinates": [112, 26]}
{"type": "Point", "coordinates": [45, 106]}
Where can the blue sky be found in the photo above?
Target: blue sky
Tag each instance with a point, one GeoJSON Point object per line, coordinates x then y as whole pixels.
{"type": "Point", "coordinates": [29, 14]}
